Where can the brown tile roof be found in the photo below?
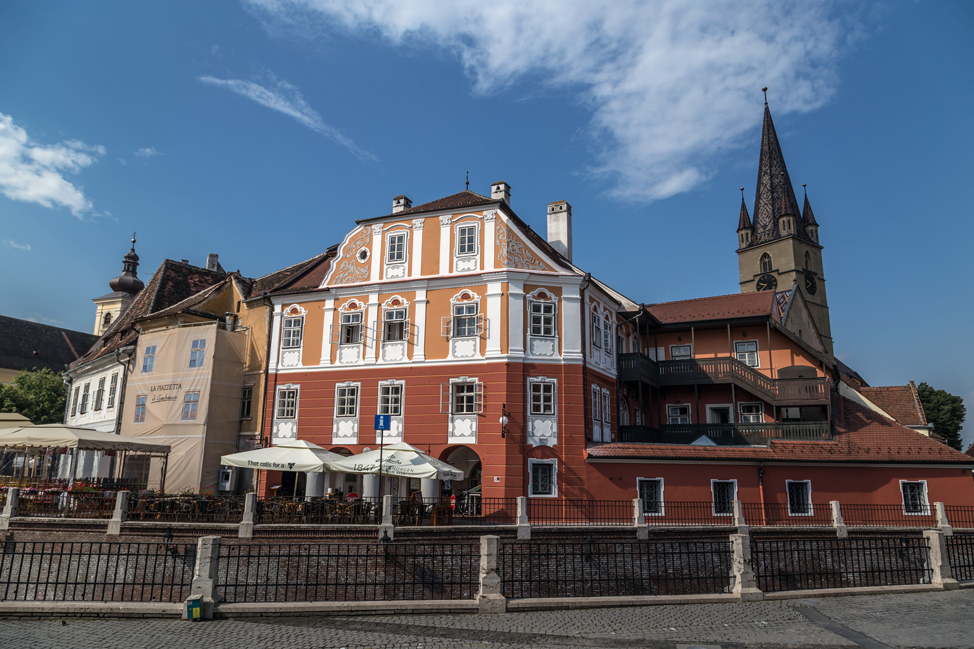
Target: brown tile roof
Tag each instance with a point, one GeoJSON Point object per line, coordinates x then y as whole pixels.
{"type": "Point", "coordinates": [738, 305]}
{"type": "Point", "coordinates": [901, 402]}
{"type": "Point", "coordinates": [271, 281]}
{"type": "Point", "coordinates": [466, 198]}
{"type": "Point", "coordinates": [861, 436]}
{"type": "Point", "coordinates": [26, 345]}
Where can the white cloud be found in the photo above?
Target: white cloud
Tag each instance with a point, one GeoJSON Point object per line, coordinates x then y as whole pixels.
{"type": "Point", "coordinates": [147, 152]}
{"type": "Point", "coordinates": [18, 246]}
{"type": "Point", "coordinates": [287, 99]}
{"type": "Point", "coordinates": [37, 317]}
{"type": "Point", "coordinates": [670, 84]}
{"type": "Point", "coordinates": [33, 172]}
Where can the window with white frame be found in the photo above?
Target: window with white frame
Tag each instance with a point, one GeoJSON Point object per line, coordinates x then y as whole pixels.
{"type": "Point", "coordinates": [596, 330]}
{"type": "Point", "coordinates": [915, 497]}
{"type": "Point", "coordinates": [74, 400]}
{"type": "Point", "coordinates": [197, 353]}
{"type": "Point", "coordinates": [100, 393]}
{"type": "Point", "coordinates": [191, 402]}
{"type": "Point", "coordinates": [287, 403]}
{"type": "Point", "coordinates": [351, 329]}
{"type": "Point", "coordinates": [292, 332]}
{"type": "Point", "coordinates": [542, 396]}
{"type": "Point", "coordinates": [390, 399]}
{"type": "Point", "coordinates": [394, 325]}
{"type": "Point", "coordinates": [84, 399]}
{"type": "Point", "coordinates": [465, 320]}
{"type": "Point", "coordinates": [725, 493]}
{"type": "Point", "coordinates": [799, 497]}
{"type": "Point", "coordinates": [747, 352]}
{"type": "Point", "coordinates": [466, 240]}
{"type": "Point", "coordinates": [464, 398]}
{"type": "Point", "coordinates": [543, 478]}
{"type": "Point", "coordinates": [596, 404]}
{"type": "Point", "coordinates": [751, 413]}
{"type": "Point", "coordinates": [607, 336]}
{"type": "Point", "coordinates": [606, 412]}
{"type": "Point", "coordinates": [112, 390]}
{"type": "Point", "coordinates": [397, 248]}
{"type": "Point", "coordinates": [679, 414]}
{"type": "Point", "coordinates": [543, 319]}
{"type": "Point", "coordinates": [140, 409]}
{"type": "Point", "coordinates": [680, 352]}
{"type": "Point", "coordinates": [148, 358]}
{"type": "Point", "coordinates": [651, 493]}
{"type": "Point", "coordinates": [346, 401]}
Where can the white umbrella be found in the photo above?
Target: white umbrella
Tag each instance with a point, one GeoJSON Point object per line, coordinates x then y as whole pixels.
{"type": "Point", "coordinates": [398, 460]}
{"type": "Point", "coordinates": [298, 455]}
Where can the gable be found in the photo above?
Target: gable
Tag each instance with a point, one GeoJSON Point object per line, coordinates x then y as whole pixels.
{"type": "Point", "coordinates": [514, 252]}
{"type": "Point", "coordinates": [798, 320]}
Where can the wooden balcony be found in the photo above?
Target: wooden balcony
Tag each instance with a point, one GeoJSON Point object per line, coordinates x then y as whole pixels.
{"type": "Point", "coordinates": [729, 434]}
{"type": "Point", "coordinates": [711, 371]}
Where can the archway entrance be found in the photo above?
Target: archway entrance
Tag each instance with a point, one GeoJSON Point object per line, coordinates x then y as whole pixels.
{"type": "Point", "coordinates": [467, 460]}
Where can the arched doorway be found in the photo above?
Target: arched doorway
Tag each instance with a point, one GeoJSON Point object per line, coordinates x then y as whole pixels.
{"type": "Point", "coordinates": [467, 460]}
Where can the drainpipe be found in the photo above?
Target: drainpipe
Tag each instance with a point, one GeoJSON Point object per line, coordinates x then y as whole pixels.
{"type": "Point", "coordinates": [119, 402]}
{"type": "Point", "coordinates": [68, 382]}
{"type": "Point", "coordinates": [586, 390]}
{"type": "Point", "coordinates": [764, 513]}
{"type": "Point", "coordinates": [269, 319]}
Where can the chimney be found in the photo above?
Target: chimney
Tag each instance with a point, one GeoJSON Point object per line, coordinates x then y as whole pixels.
{"type": "Point", "coordinates": [213, 263]}
{"type": "Point", "coordinates": [501, 191]}
{"type": "Point", "coordinates": [560, 228]}
{"type": "Point", "coordinates": [401, 203]}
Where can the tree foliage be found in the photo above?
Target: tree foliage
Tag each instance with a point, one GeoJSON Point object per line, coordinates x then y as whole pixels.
{"type": "Point", "coordinates": [945, 411]}
{"type": "Point", "coordinates": [39, 395]}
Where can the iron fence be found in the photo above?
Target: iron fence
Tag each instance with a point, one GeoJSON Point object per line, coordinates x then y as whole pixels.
{"type": "Point", "coordinates": [960, 515]}
{"type": "Point", "coordinates": [580, 512]}
{"type": "Point", "coordinates": [666, 514]}
{"type": "Point", "coordinates": [317, 511]}
{"type": "Point", "coordinates": [66, 504]}
{"type": "Point", "coordinates": [466, 510]}
{"type": "Point", "coordinates": [90, 571]}
{"type": "Point", "coordinates": [185, 509]}
{"type": "Point", "coordinates": [886, 516]}
{"type": "Point", "coordinates": [799, 564]}
{"type": "Point", "coordinates": [781, 514]}
{"type": "Point", "coordinates": [351, 572]}
{"type": "Point", "coordinates": [960, 554]}
{"type": "Point", "coordinates": [530, 569]}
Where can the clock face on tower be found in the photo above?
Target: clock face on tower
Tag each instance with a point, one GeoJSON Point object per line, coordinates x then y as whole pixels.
{"type": "Point", "coordinates": [767, 282]}
{"type": "Point", "coordinates": [810, 284]}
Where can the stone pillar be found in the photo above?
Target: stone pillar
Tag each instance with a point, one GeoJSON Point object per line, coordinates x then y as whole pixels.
{"type": "Point", "coordinates": [370, 486]}
{"type": "Point", "coordinates": [941, 574]}
{"type": "Point", "coordinates": [314, 485]}
{"type": "Point", "coordinates": [386, 527]}
{"type": "Point", "coordinates": [246, 528]}
{"type": "Point", "coordinates": [639, 519]}
{"type": "Point", "coordinates": [430, 488]}
{"type": "Point", "coordinates": [206, 576]}
{"type": "Point", "coordinates": [118, 516]}
{"type": "Point", "coordinates": [942, 523]}
{"type": "Point", "coordinates": [745, 585]}
{"type": "Point", "coordinates": [10, 507]}
{"type": "Point", "coordinates": [739, 521]}
{"type": "Point", "coordinates": [523, 524]}
{"type": "Point", "coordinates": [490, 599]}
{"type": "Point", "coordinates": [841, 531]}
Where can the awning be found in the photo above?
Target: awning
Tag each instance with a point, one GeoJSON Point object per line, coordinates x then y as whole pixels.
{"type": "Point", "coordinates": [298, 455]}
{"type": "Point", "coordinates": [13, 420]}
{"type": "Point", "coordinates": [85, 439]}
{"type": "Point", "coordinates": [402, 460]}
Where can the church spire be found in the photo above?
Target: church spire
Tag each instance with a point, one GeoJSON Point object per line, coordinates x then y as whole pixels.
{"type": "Point", "coordinates": [745, 221]}
{"type": "Point", "coordinates": [128, 281]}
{"type": "Point", "coordinates": [774, 196]}
{"type": "Point", "coordinates": [808, 218]}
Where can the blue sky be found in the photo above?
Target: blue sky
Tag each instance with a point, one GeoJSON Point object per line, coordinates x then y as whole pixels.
{"type": "Point", "coordinates": [259, 130]}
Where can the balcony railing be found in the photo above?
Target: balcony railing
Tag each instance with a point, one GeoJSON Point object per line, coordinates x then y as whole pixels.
{"type": "Point", "coordinates": [728, 434]}
{"type": "Point", "coordinates": [702, 371]}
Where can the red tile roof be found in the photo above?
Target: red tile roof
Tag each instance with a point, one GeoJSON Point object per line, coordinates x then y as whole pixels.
{"type": "Point", "coordinates": [861, 436]}
{"type": "Point", "coordinates": [310, 277]}
{"type": "Point", "coordinates": [738, 305]}
{"type": "Point", "coordinates": [466, 198]}
{"type": "Point", "coordinates": [901, 402]}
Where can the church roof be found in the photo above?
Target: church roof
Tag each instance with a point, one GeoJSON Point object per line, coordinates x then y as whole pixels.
{"type": "Point", "coordinates": [26, 345]}
{"type": "Point", "coordinates": [745, 220]}
{"type": "Point", "coordinates": [808, 218]}
{"type": "Point", "coordinates": [466, 198]}
{"type": "Point", "coordinates": [719, 307]}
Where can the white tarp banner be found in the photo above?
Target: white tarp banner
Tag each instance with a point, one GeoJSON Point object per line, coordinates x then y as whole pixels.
{"type": "Point", "coordinates": [402, 460]}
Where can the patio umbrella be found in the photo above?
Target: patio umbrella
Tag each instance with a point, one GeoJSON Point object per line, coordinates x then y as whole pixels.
{"type": "Point", "coordinates": [298, 456]}
{"type": "Point", "coordinates": [400, 459]}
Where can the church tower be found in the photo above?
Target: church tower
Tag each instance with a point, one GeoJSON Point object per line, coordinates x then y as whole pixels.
{"type": "Point", "coordinates": [781, 249]}
{"type": "Point", "coordinates": [124, 289]}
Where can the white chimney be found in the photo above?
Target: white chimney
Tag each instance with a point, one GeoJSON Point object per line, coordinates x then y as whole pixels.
{"type": "Point", "coordinates": [560, 228]}
{"type": "Point", "coordinates": [501, 191]}
{"type": "Point", "coordinates": [401, 203]}
{"type": "Point", "coordinates": [213, 262]}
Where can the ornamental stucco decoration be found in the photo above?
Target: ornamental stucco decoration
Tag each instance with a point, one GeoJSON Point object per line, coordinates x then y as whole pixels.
{"type": "Point", "coordinates": [512, 253]}
{"type": "Point", "coordinates": [352, 270]}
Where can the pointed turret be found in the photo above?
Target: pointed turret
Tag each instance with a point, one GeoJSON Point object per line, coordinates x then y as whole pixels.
{"type": "Point", "coordinates": [745, 232]}
{"type": "Point", "coordinates": [774, 197]}
{"type": "Point", "coordinates": [809, 224]}
{"type": "Point", "coordinates": [128, 281]}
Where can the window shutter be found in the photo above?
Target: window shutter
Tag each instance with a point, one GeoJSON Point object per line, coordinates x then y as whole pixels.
{"type": "Point", "coordinates": [445, 408]}
{"type": "Point", "coordinates": [408, 334]}
{"type": "Point", "coordinates": [479, 392]}
{"type": "Point", "coordinates": [446, 327]}
{"type": "Point", "coordinates": [333, 333]}
{"type": "Point", "coordinates": [481, 324]}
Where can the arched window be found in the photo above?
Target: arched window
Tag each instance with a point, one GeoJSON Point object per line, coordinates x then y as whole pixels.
{"type": "Point", "coordinates": [808, 260]}
{"type": "Point", "coordinates": [107, 320]}
{"type": "Point", "coordinates": [765, 263]}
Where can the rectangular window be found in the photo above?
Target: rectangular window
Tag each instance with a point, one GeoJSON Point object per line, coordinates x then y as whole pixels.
{"type": "Point", "coordinates": [680, 352]}
{"type": "Point", "coordinates": [464, 398]}
{"type": "Point", "coordinates": [84, 399]}
{"type": "Point", "coordinates": [246, 401]}
{"type": "Point", "coordinates": [100, 394]}
{"type": "Point", "coordinates": [140, 409]}
{"type": "Point", "coordinates": [542, 398]}
{"type": "Point", "coordinates": [467, 240]}
{"type": "Point", "coordinates": [747, 352]}
{"type": "Point", "coordinates": [464, 320]}
{"type": "Point", "coordinates": [543, 319]}
{"type": "Point", "coordinates": [395, 325]}
{"type": "Point", "coordinates": [112, 390]}
{"type": "Point", "coordinates": [596, 330]}
{"type": "Point", "coordinates": [596, 404]}
{"type": "Point", "coordinates": [544, 475]}
{"type": "Point", "coordinates": [751, 413]}
{"type": "Point", "coordinates": [287, 403]}
{"type": "Point", "coordinates": [651, 492]}
{"type": "Point", "coordinates": [799, 497]}
{"type": "Point", "coordinates": [390, 399]}
{"type": "Point", "coordinates": [190, 403]}
{"type": "Point", "coordinates": [915, 497]}
{"type": "Point", "coordinates": [74, 401]}
{"type": "Point", "coordinates": [725, 492]}
{"type": "Point", "coordinates": [351, 328]}
{"type": "Point", "coordinates": [197, 353]}
{"type": "Point", "coordinates": [148, 358]}
{"type": "Point", "coordinates": [397, 248]}
{"type": "Point", "coordinates": [607, 337]}
{"type": "Point", "coordinates": [293, 329]}
{"type": "Point", "coordinates": [678, 414]}
{"type": "Point", "coordinates": [346, 401]}
{"type": "Point", "coordinates": [606, 412]}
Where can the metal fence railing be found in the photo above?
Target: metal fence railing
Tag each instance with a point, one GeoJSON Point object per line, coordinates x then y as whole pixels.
{"type": "Point", "coordinates": [782, 514]}
{"type": "Point", "coordinates": [580, 512]}
{"type": "Point", "coordinates": [66, 504]}
{"type": "Point", "coordinates": [886, 516]}
{"type": "Point", "coordinates": [600, 568]}
{"type": "Point", "coordinates": [351, 572]}
{"type": "Point", "coordinates": [800, 564]}
{"type": "Point", "coordinates": [89, 571]}
{"type": "Point", "coordinates": [665, 514]}
{"type": "Point", "coordinates": [960, 555]}
{"type": "Point", "coordinates": [960, 515]}
{"type": "Point", "coordinates": [185, 509]}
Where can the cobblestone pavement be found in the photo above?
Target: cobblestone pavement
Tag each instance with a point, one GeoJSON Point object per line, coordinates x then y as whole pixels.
{"type": "Point", "coordinates": [905, 620]}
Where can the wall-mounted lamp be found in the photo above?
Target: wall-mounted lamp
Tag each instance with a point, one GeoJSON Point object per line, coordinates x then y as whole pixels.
{"type": "Point", "coordinates": [504, 420]}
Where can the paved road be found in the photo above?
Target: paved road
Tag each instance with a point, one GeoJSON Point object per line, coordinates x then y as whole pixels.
{"type": "Point", "coordinates": [874, 622]}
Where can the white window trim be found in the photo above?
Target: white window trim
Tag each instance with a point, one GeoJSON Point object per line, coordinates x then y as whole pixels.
{"type": "Point", "coordinates": [112, 392]}
{"type": "Point", "coordinates": [757, 351]}
{"type": "Point", "coordinates": [554, 397]}
{"type": "Point", "coordinates": [404, 233]}
{"type": "Point", "coordinates": [811, 505]}
{"type": "Point", "coordinates": [192, 350]}
{"type": "Point", "coordinates": [402, 396]}
{"type": "Point", "coordinates": [554, 483]}
{"type": "Point", "coordinates": [297, 401]}
{"type": "Point", "coordinates": [456, 238]}
{"type": "Point", "coordinates": [740, 413]}
{"type": "Point", "coordinates": [713, 496]}
{"type": "Point", "coordinates": [690, 345]}
{"type": "Point", "coordinates": [662, 500]}
{"type": "Point", "coordinates": [730, 411]}
{"type": "Point", "coordinates": [596, 413]}
{"type": "Point", "coordinates": [358, 399]}
{"type": "Point", "coordinates": [607, 412]}
{"type": "Point", "coordinates": [679, 405]}
{"type": "Point", "coordinates": [926, 499]}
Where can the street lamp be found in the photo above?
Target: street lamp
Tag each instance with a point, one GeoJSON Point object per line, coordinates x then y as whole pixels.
{"type": "Point", "coordinates": [504, 420]}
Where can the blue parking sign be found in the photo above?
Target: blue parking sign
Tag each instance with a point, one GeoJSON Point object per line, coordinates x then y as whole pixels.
{"type": "Point", "coordinates": [382, 422]}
